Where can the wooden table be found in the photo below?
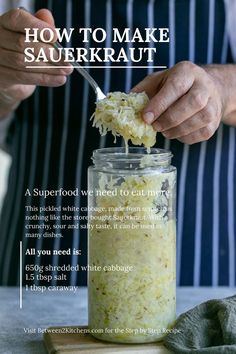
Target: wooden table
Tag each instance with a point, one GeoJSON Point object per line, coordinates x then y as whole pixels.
{"type": "Point", "coordinates": [21, 330]}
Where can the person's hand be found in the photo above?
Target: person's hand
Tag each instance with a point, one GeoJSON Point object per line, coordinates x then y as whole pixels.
{"type": "Point", "coordinates": [16, 82]}
{"type": "Point", "coordinates": [186, 102]}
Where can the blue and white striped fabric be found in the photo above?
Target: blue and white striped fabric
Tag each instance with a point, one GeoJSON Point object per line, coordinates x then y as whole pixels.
{"type": "Point", "coordinates": [51, 141]}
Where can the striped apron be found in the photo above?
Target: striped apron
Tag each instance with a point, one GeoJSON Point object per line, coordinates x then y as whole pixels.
{"type": "Point", "coordinates": [51, 141]}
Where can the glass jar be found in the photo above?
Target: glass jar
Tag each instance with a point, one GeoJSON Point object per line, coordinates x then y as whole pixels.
{"type": "Point", "coordinates": [131, 249]}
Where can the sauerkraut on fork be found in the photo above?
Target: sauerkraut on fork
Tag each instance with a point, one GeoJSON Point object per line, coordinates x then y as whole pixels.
{"type": "Point", "coordinates": [121, 114]}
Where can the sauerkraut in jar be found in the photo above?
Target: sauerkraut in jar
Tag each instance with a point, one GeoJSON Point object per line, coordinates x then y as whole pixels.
{"type": "Point", "coordinates": [131, 278]}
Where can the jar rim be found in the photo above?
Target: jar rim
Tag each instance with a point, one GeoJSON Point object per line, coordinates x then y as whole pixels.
{"type": "Point", "coordinates": [135, 154]}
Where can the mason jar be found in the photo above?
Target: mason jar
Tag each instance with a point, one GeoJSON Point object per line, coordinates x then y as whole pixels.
{"type": "Point", "coordinates": [131, 244]}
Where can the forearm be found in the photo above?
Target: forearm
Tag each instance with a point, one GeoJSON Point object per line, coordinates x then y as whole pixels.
{"type": "Point", "coordinates": [225, 75]}
{"type": "Point", "coordinates": [16, 84]}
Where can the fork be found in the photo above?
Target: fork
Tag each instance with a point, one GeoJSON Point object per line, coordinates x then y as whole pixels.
{"type": "Point", "coordinates": [98, 92]}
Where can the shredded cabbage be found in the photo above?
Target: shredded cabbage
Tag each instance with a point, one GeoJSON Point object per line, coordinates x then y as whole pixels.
{"type": "Point", "coordinates": [136, 306]}
{"type": "Point", "coordinates": [120, 113]}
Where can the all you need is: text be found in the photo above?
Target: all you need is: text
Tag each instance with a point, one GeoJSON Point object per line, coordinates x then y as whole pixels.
{"type": "Point", "coordinates": [86, 53]}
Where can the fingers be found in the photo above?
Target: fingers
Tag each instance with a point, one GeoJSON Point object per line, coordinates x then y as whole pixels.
{"type": "Point", "coordinates": [150, 84]}
{"type": "Point", "coordinates": [203, 122]}
{"type": "Point", "coordinates": [17, 20]}
{"type": "Point", "coordinates": [186, 128]}
{"type": "Point", "coordinates": [12, 51]}
{"type": "Point", "coordinates": [46, 16]}
{"type": "Point", "coordinates": [16, 93]}
{"type": "Point", "coordinates": [11, 77]}
{"type": "Point", "coordinates": [192, 124]}
{"type": "Point", "coordinates": [12, 47]}
{"type": "Point", "coordinates": [15, 42]}
{"type": "Point", "coordinates": [178, 83]}
{"type": "Point", "coordinates": [16, 61]}
{"type": "Point", "coordinates": [199, 135]}
{"type": "Point", "coordinates": [188, 105]}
